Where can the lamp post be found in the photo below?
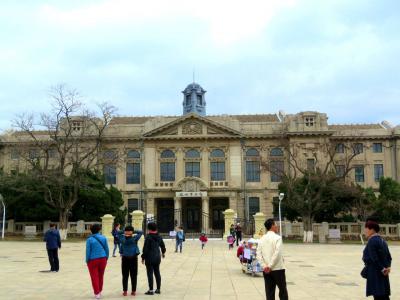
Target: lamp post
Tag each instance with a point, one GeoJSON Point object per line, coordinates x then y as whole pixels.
{"type": "Point", "coordinates": [4, 216]}
{"type": "Point", "coordinates": [281, 196]}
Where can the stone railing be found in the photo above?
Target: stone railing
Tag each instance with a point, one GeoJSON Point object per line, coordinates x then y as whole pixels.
{"type": "Point", "coordinates": [348, 231]}
{"type": "Point", "coordinates": [20, 228]}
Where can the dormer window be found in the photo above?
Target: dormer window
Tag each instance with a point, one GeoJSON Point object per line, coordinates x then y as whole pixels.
{"type": "Point", "coordinates": [188, 98]}
{"type": "Point", "coordinates": [199, 100]}
{"type": "Point", "coordinates": [309, 121]}
{"type": "Point", "coordinates": [77, 125]}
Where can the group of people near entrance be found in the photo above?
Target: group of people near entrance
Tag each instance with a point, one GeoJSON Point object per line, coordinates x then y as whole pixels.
{"type": "Point", "coordinates": [126, 241]}
{"type": "Point", "coordinates": [376, 257]}
{"type": "Point", "coordinates": [235, 235]}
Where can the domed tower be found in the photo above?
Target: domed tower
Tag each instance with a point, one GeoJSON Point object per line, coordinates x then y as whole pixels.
{"type": "Point", "coordinates": [193, 100]}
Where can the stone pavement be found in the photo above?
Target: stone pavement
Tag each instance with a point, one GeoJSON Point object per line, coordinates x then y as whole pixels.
{"type": "Point", "coordinates": [323, 272]}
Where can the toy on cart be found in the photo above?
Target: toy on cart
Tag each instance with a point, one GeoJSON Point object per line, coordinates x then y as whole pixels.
{"type": "Point", "coordinates": [250, 264]}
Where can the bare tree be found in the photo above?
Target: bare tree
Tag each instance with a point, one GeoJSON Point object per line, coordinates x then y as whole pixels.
{"type": "Point", "coordinates": [311, 174]}
{"type": "Point", "coordinates": [68, 144]}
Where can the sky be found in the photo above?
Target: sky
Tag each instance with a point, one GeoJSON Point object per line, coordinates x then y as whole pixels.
{"type": "Point", "coordinates": [338, 57]}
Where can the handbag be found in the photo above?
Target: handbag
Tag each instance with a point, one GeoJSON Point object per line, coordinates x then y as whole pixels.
{"type": "Point", "coordinates": [364, 272]}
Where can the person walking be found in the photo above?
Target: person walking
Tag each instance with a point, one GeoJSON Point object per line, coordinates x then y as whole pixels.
{"type": "Point", "coordinates": [129, 259]}
{"type": "Point", "coordinates": [97, 253]}
{"type": "Point", "coordinates": [116, 233]}
{"type": "Point", "coordinates": [238, 233]}
{"type": "Point", "coordinates": [232, 231]}
{"type": "Point", "coordinates": [53, 243]}
{"type": "Point", "coordinates": [377, 260]}
{"type": "Point", "coordinates": [269, 254]}
{"type": "Point", "coordinates": [180, 238]}
{"type": "Point", "coordinates": [151, 257]}
{"type": "Point", "coordinates": [203, 239]}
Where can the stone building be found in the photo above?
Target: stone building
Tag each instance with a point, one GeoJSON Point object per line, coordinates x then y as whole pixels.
{"type": "Point", "coordinates": [188, 169]}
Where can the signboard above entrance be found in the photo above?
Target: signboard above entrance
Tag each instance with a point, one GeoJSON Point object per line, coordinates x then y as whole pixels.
{"type": "Point", "coordinates": [191, 194]}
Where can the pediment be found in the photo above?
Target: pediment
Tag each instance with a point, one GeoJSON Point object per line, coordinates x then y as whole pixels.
{"type": "Point", "coordinates": [192, 125]}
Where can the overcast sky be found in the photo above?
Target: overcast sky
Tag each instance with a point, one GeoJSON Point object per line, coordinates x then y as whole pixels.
{"type": "Point", "coordinates": [259, 56]}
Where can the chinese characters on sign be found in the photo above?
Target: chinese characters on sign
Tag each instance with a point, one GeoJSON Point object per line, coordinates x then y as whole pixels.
{"type": "Point", "coordinates": [191, 194]}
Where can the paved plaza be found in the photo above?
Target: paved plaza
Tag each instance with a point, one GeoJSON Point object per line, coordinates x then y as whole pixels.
{"type": "Point", "coordinates": [323, 272]}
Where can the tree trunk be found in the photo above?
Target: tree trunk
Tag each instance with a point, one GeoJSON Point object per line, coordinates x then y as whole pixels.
{"type": "Point", "coordinates": [63, 225]}
{"type": "Point", "coordinates": [308, 235]}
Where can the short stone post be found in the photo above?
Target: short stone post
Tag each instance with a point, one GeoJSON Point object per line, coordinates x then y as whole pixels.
{"type": "Point", "coordinates": [80, 227]}
{"type": "Point", "coordinates": [137, 219]}
{"type": "Point", "coordinates": [259, 219]}
{"type": "Point", "coordinates": [398, 230]}
{"type": "Point", "coordinates": [10, 226]}
{"type": "Point", "coordinates": [107, 225]}
{"type": "Point", "coordinates": [46, 225]}
{"type": "Point", "coordinates": [323, 232]}
{"type": "Point", "coordinates": [229, 216]}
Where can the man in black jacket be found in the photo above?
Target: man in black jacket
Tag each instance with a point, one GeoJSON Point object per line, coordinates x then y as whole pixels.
{"type": "Point", "coordinates": [151, 257]}
{"type": "Point", "coordinates": [53, 243]}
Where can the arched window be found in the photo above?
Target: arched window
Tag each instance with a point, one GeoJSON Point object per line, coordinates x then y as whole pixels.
{"type": "Point", "coordinates": [192, 154]}
{"type": "Point", "coordinates": [276, 152]}
{"type": "Point", "coordinates": [167, 154]}
{"type": "Point", "coordinates": [252, 165]}
{"type": "Point", "coordinates": [217, 153]}
{"type": "Point", "coordinates": [252, 152]}
{"type": "Point", "coordinates": [109, 154]}
{"type": "Point", "coordinates": [133, 154]}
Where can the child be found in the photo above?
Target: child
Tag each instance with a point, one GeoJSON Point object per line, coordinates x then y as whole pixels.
{"type": "Point", "coordinates": [129, 251]}
{"type": "Point", "coordinates": [203, 239]}
{"type": "Point", "coordinates": [240, 252]}
{"type": "Point", "coordinates": [231, 241]}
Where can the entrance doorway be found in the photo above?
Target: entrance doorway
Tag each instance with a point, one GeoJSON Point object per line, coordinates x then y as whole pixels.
{"type": "Point", "coordinates": [191, 214]}
{"type": "Point", "coordinates": [165, 215]}
{"type": "Point", "coordinates": [217, 208]}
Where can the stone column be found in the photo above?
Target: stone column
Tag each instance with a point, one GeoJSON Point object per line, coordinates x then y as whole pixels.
{"type": "Point", "coordinates": [137, 219]}
{"type": "Point", "coordinates": [323, 232]}
{"type": "Point", "coordinates": [107, 225]}
{"type": "Point", "coordinates": [177, 211]}
{"type": "Point", "coordinates": [10, 226]}
{"type": "Point", "coordinates": [229, 216]}
{"type": "Point", "coordinates": [259, 219]}
{"type": "Point", "coordinates": [206, 214]}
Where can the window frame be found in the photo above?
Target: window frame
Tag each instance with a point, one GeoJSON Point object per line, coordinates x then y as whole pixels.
{"type": "Point", "coordinates": [109, 174]}
{"type": "Point", "coordinates": [382, 174]}
{"type": "Point", "coordinates": [133, 177]}
{"type": "Point", "coordinates": [359, 176]}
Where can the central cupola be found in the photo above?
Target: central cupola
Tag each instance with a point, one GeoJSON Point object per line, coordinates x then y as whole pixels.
{"type": "Point", "coordinates": [193, 100]}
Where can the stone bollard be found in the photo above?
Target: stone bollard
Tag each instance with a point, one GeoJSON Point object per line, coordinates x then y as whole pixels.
{"type": "Point", "coordinates": [107, 225]}
{"type": "Point", "coordinates": [323, 232]}
{"type": "Point", "coordinates": [10, 226]}
{"type": "Point", "coordinates": [229, 216]}
{"type": "Point", "coordinates": [259, 219]}
{"type": "Point", "coordinates": [80, 227]}
{"type": "Point", "coordinates": [137, 219]}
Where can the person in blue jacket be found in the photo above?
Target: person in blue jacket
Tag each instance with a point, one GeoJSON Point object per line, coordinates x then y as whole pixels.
{"type": "Point", "coordinates": [377, 260]}
{"type": "Point", "coordinates": [180, 238]}
{"type": "Point", "coordinates": [129, 258]}
{"type": "Point", "coordinates": [53, 243]}
{"type": "Point", "coordinates": [97, 253]}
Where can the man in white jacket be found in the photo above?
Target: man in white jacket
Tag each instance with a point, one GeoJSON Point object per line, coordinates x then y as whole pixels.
{"type": "Point", "coordinates": [269, 254]}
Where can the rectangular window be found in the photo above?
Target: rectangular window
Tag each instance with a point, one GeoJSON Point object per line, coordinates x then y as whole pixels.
{"type": "Point", "coordinates": [358, 148]}
{"type": "Point", "coordinates": [378, 172]}
{"type": "Point", "coordinates": [311, 165]}
{"type": "Point", "coordinates": [167, 171]}
{"type": "Point", "coordinates": [254, 206]}
{"type": "Point", "coordinates": [377, 147]}
{"type": "Point", "coordinates": [217, 170]}
{"type": "Point", "coordinates": [359, 173]}
{"type": "Point", "coordinates": [52, 153]}
{"type": "Point", "coordinates": [33, 153]}
{"type": "Point", "coordinates": [110, 174]}
{"type": "Point", "coordinates": [14, 154]}
{"type": "Point", "coordinates": [340, 148]}
{"type": "Point", "coordinates": [339, 170]}
{"type": "Point", "coordinates": [192, 169]}
{"type": "Point", "coordinates": [276, 170]}
{"type": "Point", "coordinates": [133, 173]}
{"type": "Point", "coordinates": [252, 171]}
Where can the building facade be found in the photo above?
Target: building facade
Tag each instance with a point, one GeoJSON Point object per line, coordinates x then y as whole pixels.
{"type": "Point", "coordinates": [188, 169]}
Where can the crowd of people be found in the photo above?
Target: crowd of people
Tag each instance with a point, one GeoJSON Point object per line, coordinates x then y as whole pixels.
{"type": "Point", "coordinates": [376, 257]}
